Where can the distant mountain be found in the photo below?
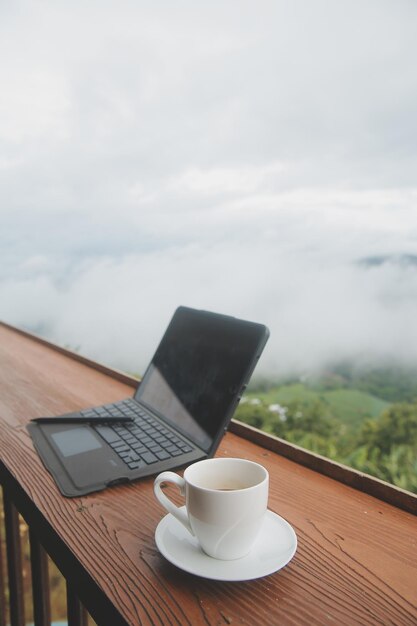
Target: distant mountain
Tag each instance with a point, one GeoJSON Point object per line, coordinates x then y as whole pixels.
{"type": "Point", "coordinates": [390, 381]}
{"type": "Point", "coordinates": [402, 260]}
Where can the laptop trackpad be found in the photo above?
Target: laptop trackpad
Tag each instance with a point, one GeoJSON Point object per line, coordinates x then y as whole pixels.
{"type": "Point", "coordinates": [84, 455]}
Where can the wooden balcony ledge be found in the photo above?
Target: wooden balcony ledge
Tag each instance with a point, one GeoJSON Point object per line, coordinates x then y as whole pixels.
{"type": "Point", "coordinates": [356, 561]}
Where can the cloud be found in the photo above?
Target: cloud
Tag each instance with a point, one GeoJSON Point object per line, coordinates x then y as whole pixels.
{"type": "Point", "coordinates": [156, 155]}
{"type": "Point", "coordinates": [319, 303]}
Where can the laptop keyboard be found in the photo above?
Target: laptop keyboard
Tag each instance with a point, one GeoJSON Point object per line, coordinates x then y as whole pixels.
{"type": "Point", "coordinates": [145, 439]}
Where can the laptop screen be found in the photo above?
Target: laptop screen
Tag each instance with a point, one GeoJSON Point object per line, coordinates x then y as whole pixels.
{"type": "Point", "coordinates": [199, 370]}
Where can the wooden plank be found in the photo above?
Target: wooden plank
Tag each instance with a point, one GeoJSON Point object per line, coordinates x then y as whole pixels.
{"type": "Point", "coordinates": [101, 367]}
{"type": "Point", "coordinates": [356, 561]}
{"type": "Point", "coordinates": [36, 379]}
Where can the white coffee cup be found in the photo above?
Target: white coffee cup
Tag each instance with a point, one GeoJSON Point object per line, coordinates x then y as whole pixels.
{"type": "Point", "coordinates": [225, 503]}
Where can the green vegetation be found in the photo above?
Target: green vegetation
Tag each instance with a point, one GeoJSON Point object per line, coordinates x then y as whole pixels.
{"type": "Point", "coordinates": [350, 406]}
{"type": "Point", "coordinates": [364, 418]}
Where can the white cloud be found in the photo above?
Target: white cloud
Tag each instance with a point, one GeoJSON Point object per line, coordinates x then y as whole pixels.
{"type": "Point", "coordinates": [33, 105]}
{"type": "Point", "coordinates": [116, 310]}
{"type": "Point", "coordinates": [225, 181]}
{"type": "Point", "coordinates": [164, 154]}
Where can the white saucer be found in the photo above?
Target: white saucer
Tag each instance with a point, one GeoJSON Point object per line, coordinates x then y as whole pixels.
{"type": "Point", "coordinates": [273, 549]}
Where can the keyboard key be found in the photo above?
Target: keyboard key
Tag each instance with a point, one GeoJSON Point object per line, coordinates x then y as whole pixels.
{"type": "Point", "coordinates": [139, 447]}
{"type": "Point", "coordinates": [149, 458]}
{"type": "Point", "coordinates": [136, 431]}
{"type": "Point", "coordinates": [120, 447]}
{"type": "Point", "coordinates": [163, 455]}
{"type": "Point", "coordinates": [108, 434]}
{"type": "Point", "coordinates": [125, 435]}
{"type": "Point", "coordinates": [101, 411]}
{"type": "Point", "coordinates": [133, 464]}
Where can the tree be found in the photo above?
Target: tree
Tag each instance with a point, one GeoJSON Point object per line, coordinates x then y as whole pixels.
{"type": "Point", "coordinates": [387, 446]}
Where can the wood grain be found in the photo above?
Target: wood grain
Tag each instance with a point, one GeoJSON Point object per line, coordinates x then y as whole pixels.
{"type": "Point", "coordinates": [356, 561]}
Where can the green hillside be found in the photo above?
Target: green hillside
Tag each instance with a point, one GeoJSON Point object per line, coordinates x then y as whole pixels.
{"type": "Point", "coordinates": [354, 406]}
{"type": "Point", "coordinates": [364, 418]}
{"type": "Point", "coordinates": [349, 406]}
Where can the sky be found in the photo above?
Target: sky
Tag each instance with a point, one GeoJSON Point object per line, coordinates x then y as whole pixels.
{"type": "Point", "coordinates": [242, 157]}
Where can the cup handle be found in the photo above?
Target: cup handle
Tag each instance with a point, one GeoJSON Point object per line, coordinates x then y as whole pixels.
{"type": "Point", "coordinates": [171, 477]}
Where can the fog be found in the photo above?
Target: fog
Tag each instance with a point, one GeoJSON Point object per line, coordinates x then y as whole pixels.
{"type": "Point", "coordinates": [250, 160]}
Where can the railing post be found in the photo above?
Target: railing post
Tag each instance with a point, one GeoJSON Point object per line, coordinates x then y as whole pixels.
{"type": "Point", "coordinates": [40, 582]}
{"type": "Point", "coordinates": [2, 582]}
{"type": "Point", "coordinates": [14, 562]}
{"type": "Point", "coordinates": [76, 613]}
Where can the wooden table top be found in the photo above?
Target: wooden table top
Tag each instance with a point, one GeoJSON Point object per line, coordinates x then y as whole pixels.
{"type": "Point", "coordinates": [356, 561]}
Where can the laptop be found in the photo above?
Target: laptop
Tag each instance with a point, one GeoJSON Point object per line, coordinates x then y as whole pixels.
{"type": "Point", "coordinates": [177, 415]}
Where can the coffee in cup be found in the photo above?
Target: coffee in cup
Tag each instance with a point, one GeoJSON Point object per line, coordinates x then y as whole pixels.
{"type": "Point", "coordinates": [225, 503]}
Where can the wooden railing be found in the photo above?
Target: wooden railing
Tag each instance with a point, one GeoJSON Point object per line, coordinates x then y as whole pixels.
{"type": "Point", "coordinates": [356, 561]}
{"type": "Point", "coordinates": [25, 573]}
